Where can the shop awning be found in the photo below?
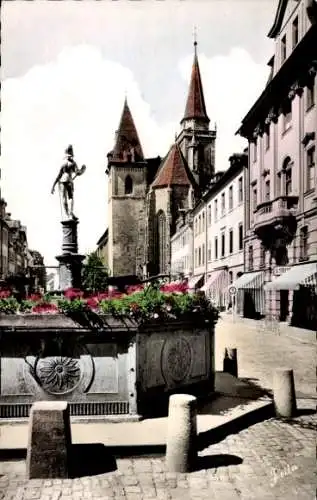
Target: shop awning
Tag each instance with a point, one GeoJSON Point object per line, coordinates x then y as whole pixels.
{"type": "Point", "coordinates": [251, 281]}
{"type": "Point", "coordinates": [303, 274]}
{"type": "Point", "coordinates": [194, 280]}
{"type": "Point", "coordinates": [217, 278]}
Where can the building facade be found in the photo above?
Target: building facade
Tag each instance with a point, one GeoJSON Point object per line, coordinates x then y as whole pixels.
{"type": "Point", "coordinates": [281, 183]}
{"type": "Point", "coordinates": [147, 195]}
{"type": "Point", "coordinates": [208, 244]}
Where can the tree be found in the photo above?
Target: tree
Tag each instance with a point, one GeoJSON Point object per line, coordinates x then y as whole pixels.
{"type": "Point", "coordinates": [95, 274]}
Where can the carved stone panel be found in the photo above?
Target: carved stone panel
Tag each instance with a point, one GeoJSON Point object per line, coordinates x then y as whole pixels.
{"type": "Point", "coordinates": [58, 374]}
{"type": "Point", "coordinates": [177, 360]}
{"type": "Point", "coordinates": [106, 369]}
{"type": "Point", "coordinates": [200, 365]}
{"type": "Point", "coordinates": [12, 376]}
{"type": "Point", "coordinates": [153, 374]}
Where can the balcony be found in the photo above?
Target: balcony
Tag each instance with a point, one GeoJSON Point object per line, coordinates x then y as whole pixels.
{"type": "Point", "coordinates": [276, 219]}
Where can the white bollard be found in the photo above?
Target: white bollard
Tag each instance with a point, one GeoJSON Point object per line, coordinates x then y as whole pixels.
{"type": "Point", "coordinates": [181, 446]}
{"type": "Point", "coordinates": [284, 392]}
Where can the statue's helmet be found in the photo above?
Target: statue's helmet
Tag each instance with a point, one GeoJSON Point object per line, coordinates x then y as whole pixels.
{"type": "Point", "coordinates": [69, 151]}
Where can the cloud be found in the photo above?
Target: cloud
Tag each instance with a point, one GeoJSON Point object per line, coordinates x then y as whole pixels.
{"type": "Point", "coordinates": [77, 99]}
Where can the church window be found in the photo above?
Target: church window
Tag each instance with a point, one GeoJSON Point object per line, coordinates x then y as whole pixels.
{"type": "Point", "coordinates": [128, 185]}
{"type": "Point", "coordinates": [161, 226]}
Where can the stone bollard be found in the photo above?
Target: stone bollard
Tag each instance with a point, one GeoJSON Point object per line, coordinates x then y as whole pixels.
{"type": "Point", "coordinates": [49, 441]}
{"type": "Point", "coordinates": [230, 361]}
{"type": "Point", "coordinates": [284, 392]}
{"type": "Point", "coordinates": [181, 446]}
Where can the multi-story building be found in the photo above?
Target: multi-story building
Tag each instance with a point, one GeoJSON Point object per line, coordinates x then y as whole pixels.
{"type": "Point", "coordinates": [182, 247]}
{"type": "Point", "coordinates": [281, 182]}
{"type": "Point", "coordinates": [207, 247]}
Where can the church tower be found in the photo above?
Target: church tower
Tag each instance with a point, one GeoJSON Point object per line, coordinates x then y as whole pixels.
{"type": "Point", "coordinates": [127, 183]}
{"type": "Point", "coordinates": [196, 140]}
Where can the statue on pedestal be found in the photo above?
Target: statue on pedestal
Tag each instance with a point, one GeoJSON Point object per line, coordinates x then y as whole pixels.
{"type": "Point", "coordinates": [67, 174]}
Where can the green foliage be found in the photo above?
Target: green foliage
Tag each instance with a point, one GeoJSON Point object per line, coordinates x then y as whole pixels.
{"type": "Point", "coordinates": [8, 305]}
{"type": "Point", "coordinates": [71, 306]}
{"type": "Point", "coordinates": [95, 274]}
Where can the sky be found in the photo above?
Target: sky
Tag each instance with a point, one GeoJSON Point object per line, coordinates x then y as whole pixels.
{"type": "Point", "coordinates": [66, 68]}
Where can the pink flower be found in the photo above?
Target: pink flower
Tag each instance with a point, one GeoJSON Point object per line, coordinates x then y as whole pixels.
{"type": "Point", "coordinates": [35, 297]}
{"type": "Point", "coordinates": [45, 307]}
{"type": "Point", "coordinates": [92, 302]}
{"type": "Point", "coordinates": [174, 288]}
{"type": "Point", "coordinates": [4, 294]}
{"type": "Point", "coordinates": [73, 293]}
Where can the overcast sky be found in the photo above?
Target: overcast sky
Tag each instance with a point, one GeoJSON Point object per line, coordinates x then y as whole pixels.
{"type": "Point", "coordinates": [66, 67]}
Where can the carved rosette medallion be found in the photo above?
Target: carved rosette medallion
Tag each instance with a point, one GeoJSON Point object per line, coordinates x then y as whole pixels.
{"type": "Point", "coordinates": [58, 375]}
{"type": "Point", "coordinates": [177, 359]}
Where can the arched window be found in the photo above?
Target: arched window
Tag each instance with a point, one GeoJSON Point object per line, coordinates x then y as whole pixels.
{"type": "Point", "coordinates": [287, 171]}
{"type": "Point", "coordinates": [284, 178]}
{"type": "Point", "coordinates": [161, 241]}
{"type": "Point", "coordinates": [128, 185]}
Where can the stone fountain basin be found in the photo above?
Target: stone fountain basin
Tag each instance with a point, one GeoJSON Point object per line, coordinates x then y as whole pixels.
{"type": "Point", "coordinates": [110, 368]}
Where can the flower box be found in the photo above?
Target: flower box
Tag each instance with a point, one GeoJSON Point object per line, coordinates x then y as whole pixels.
{"type": "Point", "coordinates": [119, 359]}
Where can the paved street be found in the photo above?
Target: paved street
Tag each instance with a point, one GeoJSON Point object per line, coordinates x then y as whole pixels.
{"type": "Point", "coordinates": [270, 460]}
{"type": "Point", "coordinates": [260, 352]}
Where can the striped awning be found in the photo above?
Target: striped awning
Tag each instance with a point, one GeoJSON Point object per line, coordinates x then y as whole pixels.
{"type": "Point", "coordinates": [194, 280]}
{"type": "Point", "coordinates": [303, 274]}
{"type": "Point", "coordinates": [251, 281]}
{"type": "Point", "coordinates": [215, 280]}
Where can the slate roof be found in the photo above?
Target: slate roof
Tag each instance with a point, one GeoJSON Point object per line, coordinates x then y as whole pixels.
{"type": "Point", "coordinates": [127, 137]}
{"type": "Point", "coordinates": [174, 170]}
{"type": "Point", "coordinates": [195, 105]}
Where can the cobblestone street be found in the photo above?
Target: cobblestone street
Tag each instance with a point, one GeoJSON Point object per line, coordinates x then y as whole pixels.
{"type": "Point", "coordinates": [275, 459]}
{"type": "Point", "coordinates": [270, 460]}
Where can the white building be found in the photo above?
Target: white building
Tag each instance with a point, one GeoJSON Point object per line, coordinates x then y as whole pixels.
{"type": "Point", "coordinates": [208, 245]}
{"type": "Point", "coordinates": [182, 248]}
{"type": "Point", "coordinates": [281, 181]}
{"type": "Point", "coordinates": [52, 281]}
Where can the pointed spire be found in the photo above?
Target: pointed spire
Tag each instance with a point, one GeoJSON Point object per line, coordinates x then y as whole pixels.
{"type": "Point", "coordinates": [195, 105]}
{"type": "Point", "coordinates": [174, 170]}
{"type": "Point", "coordinates": [127, 140]}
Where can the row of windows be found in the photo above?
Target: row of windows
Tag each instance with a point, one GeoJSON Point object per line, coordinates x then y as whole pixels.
{"type": "Point", "coordinates": [287, 114]}
{"type": "Point", "coordinates": [181, 241]}
{"type": "Point", "coordinates": [199, 222]}
{"type": "Point", "coordinates": [225, 248]}
{"type": "Point", "coordinates": [285, 179]}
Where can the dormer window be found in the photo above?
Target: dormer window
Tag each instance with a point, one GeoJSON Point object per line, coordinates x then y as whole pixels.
{"type": "Point", "coordinates": [283, 49]}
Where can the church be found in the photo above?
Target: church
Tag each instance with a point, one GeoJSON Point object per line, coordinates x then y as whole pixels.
{"type": "Point", "coordinates": [146, 196]}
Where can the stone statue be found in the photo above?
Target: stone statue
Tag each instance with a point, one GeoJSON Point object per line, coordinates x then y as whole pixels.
{"type": "Point", "coordinates": [68, 172]}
